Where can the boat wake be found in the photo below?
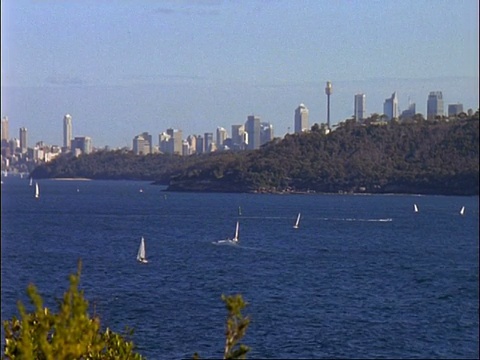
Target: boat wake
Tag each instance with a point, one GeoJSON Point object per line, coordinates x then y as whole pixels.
{"type": "Point", "coordinates": [355, 219]}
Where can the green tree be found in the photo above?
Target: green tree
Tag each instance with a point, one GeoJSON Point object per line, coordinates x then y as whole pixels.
{"type": "Point", "coordinates": [235, 329]}
{"type": "Point", "coordinates": [69, 333]}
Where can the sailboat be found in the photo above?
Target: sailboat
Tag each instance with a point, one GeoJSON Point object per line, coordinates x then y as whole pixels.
{"type": "Point", "coordinates": [37, 191]}
{"type": "Point", "coordinates": [141, 252]}
{"type": "Point", "coordinates": [233, 241]}
{"type": "Point", "coordinates": [297, 222]}
{"type": "Point", "coordinates": [415, 208]}
{"type": "Point", "coordinates": [462, 210]}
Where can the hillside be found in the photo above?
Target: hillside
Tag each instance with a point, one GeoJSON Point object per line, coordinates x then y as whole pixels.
{"type": "Point", "coordinates": [425, 157]}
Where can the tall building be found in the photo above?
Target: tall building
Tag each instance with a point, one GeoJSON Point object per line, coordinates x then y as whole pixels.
{"type": "Point", "coordinates": [208, 142]}
{"type": "Point", "coordinates": [434, 105]}
{"type": "Point", "coordinates": [23, 140]}
{"type": "Point", "coordinates": [5, 128]}
{"type": "Point", "coordinates": [455, 109]}
{"type": "Point", "coordinates": [328, 91]}
{"type": "Point", "coordinates": [148, 139]}
{"type": "Point", "coordinates": [192, 143]}
{"type": "Point", "coordinates": [175, 141]}
{"type": "Point", "coordinates": [359, 111]}
{"type": "Point", "coordinates": [238, 136]}
{"type": "Point", "coordinates": [200, 147]}
{"type": "Point", "coordinates": [67, 132]}
{"type": "Point", "coordinates": [221, 136]}
{"type": "Point", "coordinates": [163, 139]}
{"type": "Point", "coordinates": [301, 119]}
{"type": "Point", "coordinates": [252, 127]}
{"type": "Point", "coordinates": [266, 132]}
{"type": "Point", "coordinates": [390, 107]}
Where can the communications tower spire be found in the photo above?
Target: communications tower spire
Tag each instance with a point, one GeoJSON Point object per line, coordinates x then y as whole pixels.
{"type": "Point", "coordinates": [328, 91]}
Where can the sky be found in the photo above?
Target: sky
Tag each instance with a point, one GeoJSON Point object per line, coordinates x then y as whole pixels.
{"type": "Point", "coordinates": [123, 67]}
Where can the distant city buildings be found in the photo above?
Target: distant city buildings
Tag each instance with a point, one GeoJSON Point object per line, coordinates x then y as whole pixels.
{"type": "Point", "coordinates": [15, 153]}
{"type": "Point", "coordinates": [390, 107]}
{"type": "Point", "coordinates": [81, 145]}
{"type": "Point", "coordinates": [301, 119]}
{"type": "Point", "coordinates": [434, 105]}
{"type": "Point", "coordinates": [266, 132]}
{"type": "Point", "coordinates": [142, 144]}
{"type": "Point", "coordinates": [359, 111]}
{"type": "Point", "coordinates": [409, 113]}
{"type": "Point", "coordinates": [175, 141]}
{"type": "Point", "coordinates": [455, 109]}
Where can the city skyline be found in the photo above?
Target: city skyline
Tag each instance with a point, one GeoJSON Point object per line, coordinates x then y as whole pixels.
{"type": "Point", "coordinates": [441, 108]}
{"type": "Point", "coordinates": [123, 68]}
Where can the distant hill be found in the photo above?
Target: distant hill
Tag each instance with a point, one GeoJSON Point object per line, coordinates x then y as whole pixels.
{"type": "Point", "coordinates": [423, 157]}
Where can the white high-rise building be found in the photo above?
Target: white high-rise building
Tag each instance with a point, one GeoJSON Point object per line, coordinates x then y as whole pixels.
{"type": "Point", "coordinates": [221, 136]}
{"type": "Point", "coordinates": [359, 111]}
{"type": "Point", "coordinates": [67, 132]}
{"type": "Point", "coordinates": [301, 119]}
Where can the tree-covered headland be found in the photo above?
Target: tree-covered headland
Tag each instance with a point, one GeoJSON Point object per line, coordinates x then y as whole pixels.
{"type": "Point", "coordinates": [415, 156]}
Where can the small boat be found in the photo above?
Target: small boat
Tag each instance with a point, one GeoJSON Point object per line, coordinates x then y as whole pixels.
{"type": "Point", "coordinates": [141, 252]}
{"type": "Point", "coordinates": [297, 222]}
{"type": "Point", "coordinates": [31, 181]}
{"type": "Point", "coordinates": [415, 208]}
{"type": "Point", "coordinates": [239, 210]}
{"type": "Point", "coordinates": [233, 241]}
{"type": "Point", "coordinates": [462, 210]}
{"type": "Point", "coordinates": [37, 191]}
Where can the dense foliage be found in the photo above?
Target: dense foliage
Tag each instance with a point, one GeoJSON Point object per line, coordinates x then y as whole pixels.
{"type": "Point", "coordinates": [71, 333]}
{"type": "Point", "coordinates": [428, 157]}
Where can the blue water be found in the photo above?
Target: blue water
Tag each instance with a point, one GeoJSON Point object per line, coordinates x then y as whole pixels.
{"type": "Point", "coordinates": [363, 276]}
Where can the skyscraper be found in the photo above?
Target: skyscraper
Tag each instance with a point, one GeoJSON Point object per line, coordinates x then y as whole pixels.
{"type": "Point", "coordinates": [221, 136]}
{"type": "Point", "coordinates": [23, 140]}
{"type": "Point", "coordinates": [5, 128]}
{"type": "Point", "coordinates": [208, 142]}
{"type": "Point", "coordinates": [328, 91]}
{"type": "Point", "coordinates": [266, 132]}
{"type": "Point", "coordinates": [67, 132]}
{"type": "Point", "coordinates": [390, 107]}
{"type": "Point", "coordinates": [301, 119]}
{"type": "Point", "coordinates": [252, 127]}
{"type": "Point", "coordinates": [359, 112]}
{"type": "Point", "coordinates": [175, 141]}
{"type": "Point", "coordinates": [434, 105]}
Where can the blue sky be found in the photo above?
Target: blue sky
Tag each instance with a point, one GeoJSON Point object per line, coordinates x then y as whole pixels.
{"type": "Point", "coordinates": [124, 67]}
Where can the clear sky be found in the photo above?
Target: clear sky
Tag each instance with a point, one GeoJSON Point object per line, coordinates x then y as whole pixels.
{"type": "Point", "coordinates": [124, 67]}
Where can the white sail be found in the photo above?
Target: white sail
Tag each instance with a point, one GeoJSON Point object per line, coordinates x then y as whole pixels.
{"type": "Point", "coordinates": [462, 210]}
{"type": "Point", "coordinates": [37, 191]}
{"type": "Point", "coordinates": [415, 207]}
{"type": "Point", "coordinates": [297, 222]}
{"type": "Point", "coordinates": [141, 252]}
{"type": "Point", "coordinates": [235, 238]}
